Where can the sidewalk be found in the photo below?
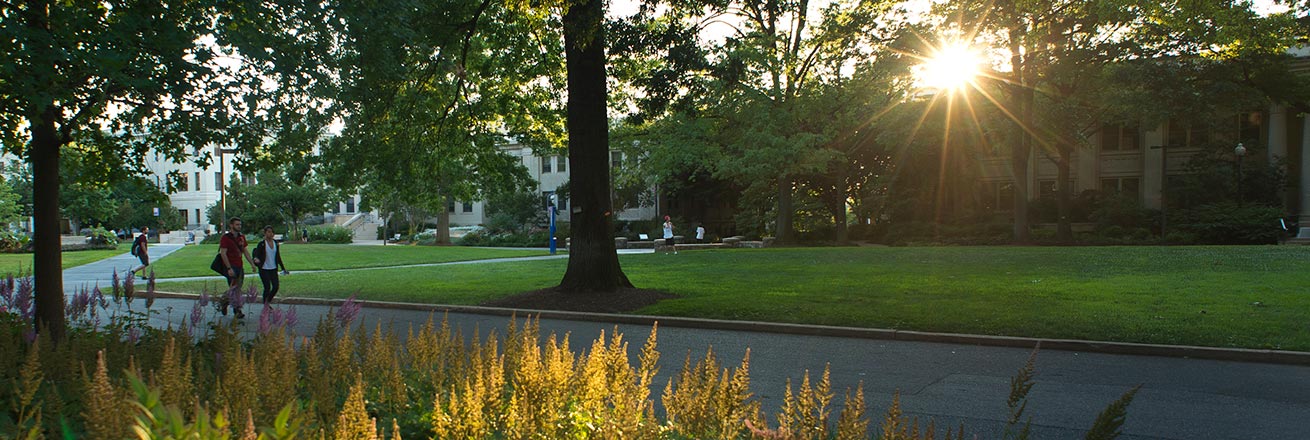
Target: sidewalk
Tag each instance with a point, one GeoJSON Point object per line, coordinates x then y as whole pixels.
{"type": "Point", "coordinates": [950, 383]}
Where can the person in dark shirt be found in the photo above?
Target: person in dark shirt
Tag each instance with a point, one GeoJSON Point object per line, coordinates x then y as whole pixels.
{"type": "Point", "coordinates": [140, 250]}
{"type": "Point", "coordinates": [231, 249]}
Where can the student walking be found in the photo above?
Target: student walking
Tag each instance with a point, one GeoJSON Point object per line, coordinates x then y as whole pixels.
{"type": "Point", "coordinates": [140, 250]}
{"type": "Point", "coordinates": [668, 234]}
{"type": "Point", "coordinates": [700, 233]}
{"type": "Point", "coordinates": [231, 248]}
{"type": "Point", "coordinates": [268, 257]}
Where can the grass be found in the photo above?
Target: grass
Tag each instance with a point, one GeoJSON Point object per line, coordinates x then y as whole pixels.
{"type": "Point", "coordinates": [22, 263]}
{"type": "Point", "coordinates": [1233, 296]}
{"type": "Point", "coordinates": [191, 261]}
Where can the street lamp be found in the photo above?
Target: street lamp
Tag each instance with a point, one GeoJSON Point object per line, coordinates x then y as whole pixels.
{"type": "Point", "coordinates": [221, 185]}
{"type": "Point", "coordinates": [1240, 152]}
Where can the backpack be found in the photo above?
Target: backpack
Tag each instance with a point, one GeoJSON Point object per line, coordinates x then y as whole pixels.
{"type": "Point", "coordinates": [136, 246]}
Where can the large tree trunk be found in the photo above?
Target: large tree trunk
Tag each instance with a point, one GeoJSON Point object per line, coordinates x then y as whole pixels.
{"type": "Point", "coordinates": [593, 261]}
{"type": "Point", "coordinates": [443, 220]}
{"type": "Point", "coordinates": [1063, 203]}
{"type": "Point", "coordinates": [47, 269]}
{"type": "Point", "coordinates": [785, 211]}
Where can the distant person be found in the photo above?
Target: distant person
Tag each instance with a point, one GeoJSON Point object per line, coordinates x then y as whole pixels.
{"type": "Point", "coordinates": [700, 233]}
{"type": "Point", "coordinates": [304, 235]}
{"type": "Point", "coordinates": [268, 257]}
{"type": "Point", "coordinates": [191, 237]}
{"type": "Point", "coordinates": [668, 234]}
{"type": "Point", "coordinates": [231, 248]}
{"type": "Point", "coordinates": [140, 250]}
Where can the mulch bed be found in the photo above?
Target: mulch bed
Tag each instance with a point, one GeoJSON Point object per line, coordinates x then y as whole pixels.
{"type": "Point", "coordinates": [620, 301]}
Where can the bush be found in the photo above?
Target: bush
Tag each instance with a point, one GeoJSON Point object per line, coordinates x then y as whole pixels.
{"type": "Point", "coordinates": [13, 241]}
{"type": "Point", "coordinates": [901, 234]}
{"type": "Point", "coordinates": [1228, 223]}
{"type": "Point", "coordinates": [102, 237]}
{"type": "Point", "coordinates": [534, 238]}
{"type": "Point", "coordinates": [330, 234]}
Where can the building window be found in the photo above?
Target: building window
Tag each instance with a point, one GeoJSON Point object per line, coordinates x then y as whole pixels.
{"type": "Point", "coordinates": [350, 205]}
{"type": "Point", "coordinates": [197, 173]}
{"type": "Point", "coordinates": [1228, 130]}
{"type": "Point", "coordinates": [218, 181]}
{"type": "Point", "coordinates": [562, 163]}
{"type": "Point", "coordinates": [199, 219]}
{"type": "Point", "coordinates": [184, 184]}
{"type": "Point", "coordinates": [468, 206]}
{"type": "Point", "coordinates": [1048, 189]}
{"type": "Point", "coordinates": [545, 165]}
{"type": "Point", "coordinates": [450, 206]}
{"type": "Point", "coordinates": [1129, 186]}
{"type": "Point", "coordinates": [998, 196]}
{"type": "Point", "coordinates": [1118, 137]}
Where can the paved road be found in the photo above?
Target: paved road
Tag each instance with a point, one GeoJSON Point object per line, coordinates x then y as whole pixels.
{"type": "Point", "coordinates": [1179, 398]}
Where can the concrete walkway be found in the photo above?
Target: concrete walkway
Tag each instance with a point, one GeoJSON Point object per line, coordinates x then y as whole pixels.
{"type": "Point", "coordinates": [950, 383]}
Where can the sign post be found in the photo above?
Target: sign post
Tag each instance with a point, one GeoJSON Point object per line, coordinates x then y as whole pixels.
{"type": "Point", "coordinates": [551, 207]}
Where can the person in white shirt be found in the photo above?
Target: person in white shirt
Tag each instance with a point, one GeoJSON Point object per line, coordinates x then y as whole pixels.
{"type": "Point", "coordinates": [700, 233]}
{"type": "Point", "coordinates": [668, 234]}
{"type": "Point", "coordinates": [268, 256]}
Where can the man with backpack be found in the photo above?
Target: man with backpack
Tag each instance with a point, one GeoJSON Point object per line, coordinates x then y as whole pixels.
{"type": "Point", "coordinates": [139, 250]}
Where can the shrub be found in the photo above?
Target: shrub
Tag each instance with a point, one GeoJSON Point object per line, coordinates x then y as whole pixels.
{"type": "Point", "coordinates": [13, 241]}
{"type": "Point", "coordinates": [1228, 223]}
{"type": "Point", "coordinates": [330, 234]}
{"type": "Point", "coordinates": [102, 236]}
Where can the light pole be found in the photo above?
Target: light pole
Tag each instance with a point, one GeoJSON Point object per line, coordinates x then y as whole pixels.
{"type": "Point", "coordinates": [1240, 152]}
{"type": "Point", "coordinates": [221, 185]}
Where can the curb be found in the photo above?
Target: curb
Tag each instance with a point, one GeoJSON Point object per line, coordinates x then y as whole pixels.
{"type": "Point", "coordinates": [1128, 348]}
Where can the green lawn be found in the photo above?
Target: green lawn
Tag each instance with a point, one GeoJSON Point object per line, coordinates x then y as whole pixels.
{"type": "Point", "coordinates": [193, 261]}
{"type": "Point", "coordinates": [1252, 297]}
{"type": "Point", "coordinates": [12, 263]}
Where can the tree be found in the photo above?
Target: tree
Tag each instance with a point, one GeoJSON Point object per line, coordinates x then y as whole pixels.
{"type": "Point", "coordinates": [135, 200]}
{"type": "Point", "coordinates": [430, 92]}
{"type": "Point", "coordinates": [288, 194]}
{"type": "Point", "coordinates": [752, 115]}
{"type": "Point", "coordinates": [593, 260]}
{"type": "Point", "coordinates": [121, 78]}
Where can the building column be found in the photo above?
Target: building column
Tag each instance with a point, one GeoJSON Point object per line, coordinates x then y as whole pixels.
{"type": "Point", "coordinates": [1304, 188]}
{"type": "Point", "coordinates": [1277, 133]}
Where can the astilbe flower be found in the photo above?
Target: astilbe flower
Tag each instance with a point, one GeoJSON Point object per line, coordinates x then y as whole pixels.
{"type": "Point", "coordinates": [290, 317]}
{"type": "Point", "coordinates": [116, 287]}
{"type": "Point", "coordinates": [197, 313]}
{"type": "Point", "coordinates": [270, 318]}
{"type": "Point", "coordinates": [204, 297]}
{"type": "Point", "coordinates": [134, 335]}
{"type": "Point", "coordinates": [22, 301]}
{"type": "Point", "coordinates": [129, 288]}
{"type": "Point", "coordinates": [78, 305]}
{"type": "Point", "coordinates": [235, 298]}
{"type": "Point", "coordinates": [150, 289]}
{"type": "Point", "coordinates": [251, 295]}
{"type": "Point", "coordinates": [348, 312]}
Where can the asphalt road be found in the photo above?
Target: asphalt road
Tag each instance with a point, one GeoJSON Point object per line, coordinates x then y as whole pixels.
{"type": "Point", "coordinates": [948, 383]}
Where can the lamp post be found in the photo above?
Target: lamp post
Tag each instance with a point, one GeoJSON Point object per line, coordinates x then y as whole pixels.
{"type": "Point", "coordinates": [1239, 151]}
{"type": "Point", "coordinates": [221, 185]}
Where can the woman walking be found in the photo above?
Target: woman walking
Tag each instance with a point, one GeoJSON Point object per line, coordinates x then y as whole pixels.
{"type": "Point", "coordinates": [268, 256]}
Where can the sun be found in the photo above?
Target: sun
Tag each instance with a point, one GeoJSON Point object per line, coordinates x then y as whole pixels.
{"type": "Point", "coordinates": [949, 68]}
